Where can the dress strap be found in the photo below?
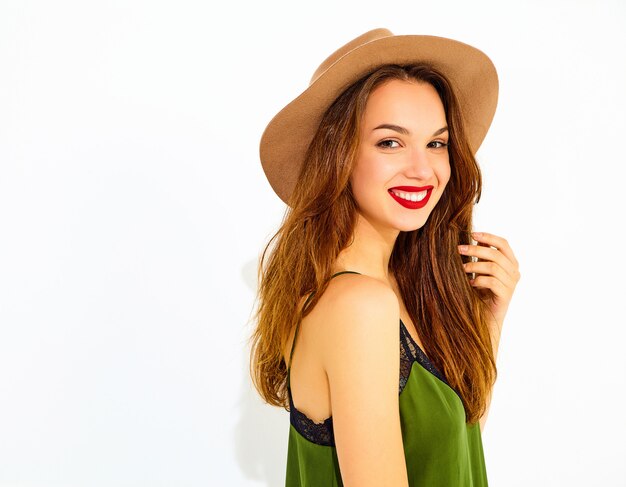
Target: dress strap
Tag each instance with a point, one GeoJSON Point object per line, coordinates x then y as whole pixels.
{"type": "Point", "coordinates": [293, 345]}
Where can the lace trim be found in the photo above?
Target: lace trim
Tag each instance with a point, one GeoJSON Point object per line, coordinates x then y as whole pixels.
{"type": "Point", "coordinates": [410, 352]}
{"type": "Point", "coordinates": [319, 433]}
{"type": "Point", "coordinates": [414, 353]}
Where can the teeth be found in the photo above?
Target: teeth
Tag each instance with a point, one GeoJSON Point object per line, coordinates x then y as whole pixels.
{"type": "Point", "coordinates": [411, 196]}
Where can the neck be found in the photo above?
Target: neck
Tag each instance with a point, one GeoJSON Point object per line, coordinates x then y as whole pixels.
{"type": "Point", "coordinates": [369, 252]}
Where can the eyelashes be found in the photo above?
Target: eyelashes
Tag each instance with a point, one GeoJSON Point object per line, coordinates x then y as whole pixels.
{"type": "Point", "coordinates": [442, 144]}
{"type": "Point", "coordinates": [383, 142]}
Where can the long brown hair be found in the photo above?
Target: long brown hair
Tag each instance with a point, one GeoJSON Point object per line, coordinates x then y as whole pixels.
{"type": "Point", "coordinates": [450, 317]}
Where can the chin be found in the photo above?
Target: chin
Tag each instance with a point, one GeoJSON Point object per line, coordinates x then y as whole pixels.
{"type": "Point", "coordinates": [411, 228]}
{"type": "Point", "coordinates": [412, 223]}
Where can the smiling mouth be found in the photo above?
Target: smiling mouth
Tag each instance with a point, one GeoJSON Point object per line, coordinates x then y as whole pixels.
{"type": "Point", "coordinates": [412, 200]}
{"type": "Point", "coordinates": [411, 193]}
{"type": "Point", "coordinates": [411, 196]}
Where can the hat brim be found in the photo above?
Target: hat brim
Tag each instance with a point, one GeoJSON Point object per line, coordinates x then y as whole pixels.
{"type": "Point", "coordinates": [473, 76]}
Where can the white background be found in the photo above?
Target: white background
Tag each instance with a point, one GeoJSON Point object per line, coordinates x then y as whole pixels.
{"type": "Point", "coordinates": [133, 208]}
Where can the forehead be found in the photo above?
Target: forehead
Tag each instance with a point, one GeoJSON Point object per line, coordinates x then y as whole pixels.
{"type": "Point", "coordinates": [412, 104]}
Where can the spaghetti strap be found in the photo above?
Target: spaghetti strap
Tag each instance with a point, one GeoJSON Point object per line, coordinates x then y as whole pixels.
{"type": "Point", "coordinates": [295, 336]}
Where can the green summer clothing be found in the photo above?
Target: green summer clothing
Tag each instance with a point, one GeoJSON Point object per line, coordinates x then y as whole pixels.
{"type": "Point", "coordinates": [440, 448]}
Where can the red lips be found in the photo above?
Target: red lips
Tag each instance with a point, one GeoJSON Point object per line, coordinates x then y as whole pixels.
{"type": "Point", "coordinates": [412, 205]}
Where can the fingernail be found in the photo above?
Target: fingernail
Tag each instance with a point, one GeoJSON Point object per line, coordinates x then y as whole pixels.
{"type": "Point", "coordinates": [477, 234]}
{"type": "Point", "coordinates": [463, 248]}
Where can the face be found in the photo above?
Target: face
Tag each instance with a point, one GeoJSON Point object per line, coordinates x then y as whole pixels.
{"type": "Point", "coordinates": [410, 152]}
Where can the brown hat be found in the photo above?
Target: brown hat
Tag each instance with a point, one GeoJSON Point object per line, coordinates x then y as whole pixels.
{"type": "Point", "coordinates": [473, 76]}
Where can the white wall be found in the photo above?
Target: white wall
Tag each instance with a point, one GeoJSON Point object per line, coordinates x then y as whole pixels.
{"type": "Point", "coordinates": [133, 208]}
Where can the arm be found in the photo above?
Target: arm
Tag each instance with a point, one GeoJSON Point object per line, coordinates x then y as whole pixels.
{"type": "Point", "coordinates": [362, 362]}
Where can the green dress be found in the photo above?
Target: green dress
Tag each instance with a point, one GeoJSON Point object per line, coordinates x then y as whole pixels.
{"type": "Point", "coordinates": [440, 448]}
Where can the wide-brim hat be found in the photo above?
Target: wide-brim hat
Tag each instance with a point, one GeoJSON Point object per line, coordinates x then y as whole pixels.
{"type": "Point", "coordinates": [287, 137]}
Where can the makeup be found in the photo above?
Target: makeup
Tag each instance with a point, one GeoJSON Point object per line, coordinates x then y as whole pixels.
{"type": "Point", "coordinates": [412, 205]}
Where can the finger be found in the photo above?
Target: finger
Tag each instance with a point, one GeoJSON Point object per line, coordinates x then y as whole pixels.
{"type": "Point", "coordinates": [489, 254]}
{"type": "Point", "coordinates": [489, 268]}
{"type": "Point", "coordinates": [492, 283]}
{"type": "Point", "coordinates": [481, 244]}
{"type": "Point", "coordinates": [498, 242]}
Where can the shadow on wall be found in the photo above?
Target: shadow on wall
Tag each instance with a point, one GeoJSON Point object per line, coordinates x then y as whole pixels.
{"type": "Point", "coordinates": [262, 432]}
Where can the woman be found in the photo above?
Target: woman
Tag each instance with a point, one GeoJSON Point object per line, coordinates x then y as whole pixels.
{"type": "Point", "coordinates": [371, 270]}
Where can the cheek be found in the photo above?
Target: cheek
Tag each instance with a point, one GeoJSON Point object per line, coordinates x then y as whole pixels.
{"type": "Point", "coordinates": [444, 174]}
{"type": "Point", "coordinates": [366, 175]}
{"type": "Point", "coordinates": [377, 169]}
{"type": "Point", "coordinates": [359, 185]}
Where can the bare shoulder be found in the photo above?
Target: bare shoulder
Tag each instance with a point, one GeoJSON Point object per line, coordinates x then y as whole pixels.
{"type": "Point", "coordinates": [355, 298]}
{"type": "Point", "coordinates": [360, 311]}
{"type": "Point", "coordinates": [352, 292]}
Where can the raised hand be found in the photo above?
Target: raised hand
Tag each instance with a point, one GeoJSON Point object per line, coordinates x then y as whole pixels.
{"type": "Point", "coordinates": [497, 270]}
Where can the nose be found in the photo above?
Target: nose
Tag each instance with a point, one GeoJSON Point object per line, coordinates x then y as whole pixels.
{"type": "Point", "coordinates": [419, 165]}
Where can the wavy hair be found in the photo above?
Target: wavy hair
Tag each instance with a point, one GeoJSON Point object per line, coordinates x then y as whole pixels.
{"type": "Point", "coordinates": [450, 317]}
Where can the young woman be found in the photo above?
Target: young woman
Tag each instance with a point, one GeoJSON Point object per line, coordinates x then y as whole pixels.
{"type": "Point", "coordinates": [378, 322]}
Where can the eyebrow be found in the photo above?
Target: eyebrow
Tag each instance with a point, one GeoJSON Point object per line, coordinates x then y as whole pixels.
{"type": "Point", "coordinates": [404, 131]}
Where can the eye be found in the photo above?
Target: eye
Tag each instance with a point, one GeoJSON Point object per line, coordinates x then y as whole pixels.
{"type": "Point", "coordinates": [383, 142]}
{"type": "Point", "coordinates": [441, 144]}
